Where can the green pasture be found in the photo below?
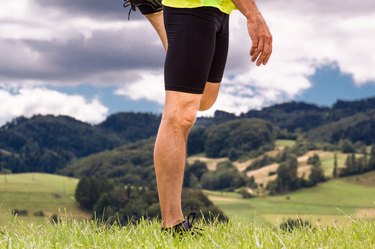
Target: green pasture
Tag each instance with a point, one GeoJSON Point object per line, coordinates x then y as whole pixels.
{"type": "Point", "coordinates": [328, 161]}
{"type": "Point", "coordinates": [284, 142]}
{"type": "Point", "coordinates": [51, 194]}
{"type": "Point", "coordinates": [327, 203]}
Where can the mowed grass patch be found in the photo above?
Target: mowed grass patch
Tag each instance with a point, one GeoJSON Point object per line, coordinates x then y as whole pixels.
{"type": "Point", "coordinates": [354, 234]}
{"type": "Point", "coordinates": [327, 161]}
{"type": "Point", "coordinates": [338, 197]}
{"type": "Point", "coordinates": [34, 192]}
{"type": "Point", "coordinates": [285, 142]}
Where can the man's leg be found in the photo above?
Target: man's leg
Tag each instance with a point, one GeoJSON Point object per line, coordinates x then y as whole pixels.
{"type": "Point", "coordinates": [211, 91]}
{"type": "Point", "coordinates": [179, 115]}
{"type": "Point", "coordinates": [157, 21]}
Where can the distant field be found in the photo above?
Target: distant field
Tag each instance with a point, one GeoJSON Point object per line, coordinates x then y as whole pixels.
{"type": "Point", "coordinates": [327, 203]}
{"type": "Point", "coordinates": [285, 142]}
{"type": "Point", "coordinates": [323, 204]}
{"type": "Point", "coordinates": [240, 165]}
{"type": "Point", "coordinates": [51, 194]}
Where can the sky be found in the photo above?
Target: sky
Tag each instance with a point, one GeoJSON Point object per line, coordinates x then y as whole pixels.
{"type": "Point", "coordinates": [83, 58]}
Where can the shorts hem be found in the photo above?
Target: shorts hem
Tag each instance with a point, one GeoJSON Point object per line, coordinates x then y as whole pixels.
{"type": "Point", "coordinates": [214, 80]}
{"type": "Point", "coordinates": [183, 89]}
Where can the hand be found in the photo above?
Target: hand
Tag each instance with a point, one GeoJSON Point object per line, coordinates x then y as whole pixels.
{"type": "Point", "coordinates": [261, 37]}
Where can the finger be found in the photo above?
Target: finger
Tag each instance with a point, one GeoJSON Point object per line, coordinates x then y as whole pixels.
{"type": "Point", "coordinates": [254, 46]}
{"type": "Point", "coordinates": [258, 50]}
{"type": "Point", "coordinates": [269, 55]}
{"type": "Point", "coordinates": [265, 54]}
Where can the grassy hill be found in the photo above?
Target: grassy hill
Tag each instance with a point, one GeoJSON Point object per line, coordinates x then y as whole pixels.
{"type": "Point", "coordinates": [268, 172]}
{"type": "Point", "coordinates": [328, 202]}
{"type": "Point", "coordinates": [33, 192]}
{"type": "Point", "coordinates": [331, 201]}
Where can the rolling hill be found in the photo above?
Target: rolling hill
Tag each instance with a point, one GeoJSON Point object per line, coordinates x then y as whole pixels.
{"type": "Point", "coordinates": [35, 192]}
{"type": "Point", "coordinates": [326, 204]}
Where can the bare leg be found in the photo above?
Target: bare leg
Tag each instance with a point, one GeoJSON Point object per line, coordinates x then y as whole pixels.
{"type": "Point", "coordinates": [157, 22]}
{"type": "Point", "coordinates": [178, 117]}
{"type": "Point", "coordinates": [209, 96]}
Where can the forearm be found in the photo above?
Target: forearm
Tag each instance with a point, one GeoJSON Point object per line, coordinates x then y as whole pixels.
{"type": "Point", "coordinates": [248, 8]}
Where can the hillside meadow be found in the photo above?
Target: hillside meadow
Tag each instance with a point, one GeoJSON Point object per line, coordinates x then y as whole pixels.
{"type": "Point", "coordinates": [328, 203]}
{"type": "Point", "coordinates": [35, 192]}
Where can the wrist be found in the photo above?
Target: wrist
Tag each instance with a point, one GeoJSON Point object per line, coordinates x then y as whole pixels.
{"type": "Point", "coordinates": [253, 17]}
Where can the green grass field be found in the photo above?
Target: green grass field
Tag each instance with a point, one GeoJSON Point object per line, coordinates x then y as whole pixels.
{"type": "Point", "coordinates": [285, 142]}
{"type": "Point", "coordinates": [236, 235]}
{"type": "Point", "coordinates": [327, 203]}
{"type": "Point", "coordinates": [332, 207]}
{"type": "Point", "coordinates": [323, 204]}
{"type": "Point", "coordinates": [51, 194]}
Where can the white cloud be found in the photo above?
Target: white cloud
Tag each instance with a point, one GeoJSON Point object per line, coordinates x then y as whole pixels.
{"type": "Point", "coordinates": [149, 87]}
{"type": "Point", "coordinates": [304, 40]}
{"type": "Point", "coordinates": [30, 101]}
{"type": "Point", "coordinates": [307, 36]}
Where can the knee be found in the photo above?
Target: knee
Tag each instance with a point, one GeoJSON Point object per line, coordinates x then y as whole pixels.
{"type": "Point", "coordinates": [181, 120]}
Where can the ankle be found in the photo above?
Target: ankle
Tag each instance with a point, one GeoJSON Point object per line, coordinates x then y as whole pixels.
{"type": "Point", "coordinates": [168, 223]}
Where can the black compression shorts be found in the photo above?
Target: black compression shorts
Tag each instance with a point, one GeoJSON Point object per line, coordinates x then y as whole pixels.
{"type": "Point", "coordinates": [197, 47]}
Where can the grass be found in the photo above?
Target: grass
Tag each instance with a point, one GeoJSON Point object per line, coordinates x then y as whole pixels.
{"type": "Point", "coordinates": [332, 208]}
{"type": "Point", "coordinates": [324, 204]}
{"type": "Point", "coordinates": [87, 234]}
{"type": "Point", "coordinates": [37, 191]}
{"type": "Point", "coordinates": [285, 142]}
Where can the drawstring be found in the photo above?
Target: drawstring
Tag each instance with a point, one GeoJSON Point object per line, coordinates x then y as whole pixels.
{"type": "Point", "coordinates": [128, 3]}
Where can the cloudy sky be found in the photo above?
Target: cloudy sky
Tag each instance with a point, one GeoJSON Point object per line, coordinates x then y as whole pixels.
{"type": "Point", "coordinates": [83, 58]}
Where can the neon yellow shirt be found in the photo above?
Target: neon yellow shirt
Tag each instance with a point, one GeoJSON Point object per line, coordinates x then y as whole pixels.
{"type": "Point", "coordinates": [225, 6]}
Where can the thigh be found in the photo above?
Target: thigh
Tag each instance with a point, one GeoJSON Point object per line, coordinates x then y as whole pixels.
{"type": "Point", "coordinates": [191, 48]}
{"type": "Point", "coordinates": [221, 51]}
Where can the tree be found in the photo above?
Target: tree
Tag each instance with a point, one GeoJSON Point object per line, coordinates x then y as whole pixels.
{"type": "Point", "coordinates": [193, 174]}
{"type": "Point", "coordinates": [371, 162]}
{"type": "Point", "coordinates": [232, 154]}
{"type": "Point", "coordinates": [316, 174]}
{"type": "Point", "coordinates": [89, 189]}
{"type": "Point", "coordinates": [5, 172]}
{"type": "Point", "coordinates": [287, 178]}
{"type": "Point", "coordinates": [196, 140]}
{"type": "Point", "coordinates": [314, 160]}
{"type": "Point", "coordinates": [335, 166]}
{"type": "Point", "coordinates": [226, 176]}
{"type": "Point", "coordinates": [243, 135]}
{"type": "Point", "coordinates": [347, 146]}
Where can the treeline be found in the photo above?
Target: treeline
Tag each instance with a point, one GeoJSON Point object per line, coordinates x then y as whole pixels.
{"type": "Point", "coordinates": [287, 175]}
{"type": "Point", "coordinates": [233, 139]}
{"type": "Point", "coordinates": [352, 120]}
{"type": "Point", "coordinates": [113, 202]}
{"type": "Point", "coordinates": [355, 164]}
{"type": "Point", "coordinates": [48, 143]}
{"type": "Point", "coordinates": [224, 178]}
{"type": "Point", "coordinates": [287, 178]}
